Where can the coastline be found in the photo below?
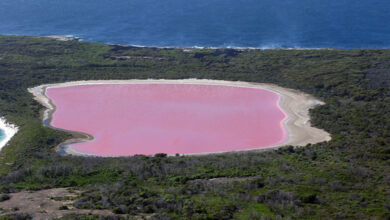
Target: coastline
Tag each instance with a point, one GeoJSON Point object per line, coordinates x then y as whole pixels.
{"type": "Point", "coordinates": [189, 48]}
{"type": "Point", "coordinates": [294, 104]}
{"type": "Point", "coordinates": [9, 129]}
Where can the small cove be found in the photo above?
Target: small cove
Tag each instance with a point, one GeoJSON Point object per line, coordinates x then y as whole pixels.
{"type": "Point", "coordinates": [2, 135]}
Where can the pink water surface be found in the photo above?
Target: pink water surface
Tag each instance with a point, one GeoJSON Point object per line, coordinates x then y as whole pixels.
{"type": "Point", "coordinates": [129, 119]}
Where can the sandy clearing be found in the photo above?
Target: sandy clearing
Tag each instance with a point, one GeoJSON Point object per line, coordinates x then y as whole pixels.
{"type": "Point", "coordinates": [45, 204]}
{"type": "Point", "coordinates": [295, 104]}
{"type": "Point", "coordinates": [9, 129]}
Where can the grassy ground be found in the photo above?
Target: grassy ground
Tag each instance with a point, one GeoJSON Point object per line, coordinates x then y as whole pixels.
{"type": "Point", "coordinates": [347, 178]}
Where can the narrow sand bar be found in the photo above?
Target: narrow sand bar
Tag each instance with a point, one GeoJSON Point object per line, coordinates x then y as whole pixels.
{"type": "Point", "coordinates": [291, 125]}
{"type": "Point", "coordinates": [9, 129]}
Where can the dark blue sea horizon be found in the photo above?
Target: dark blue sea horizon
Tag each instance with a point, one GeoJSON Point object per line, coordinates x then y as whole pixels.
{"type": "Point", "coordinates": [265, 24]}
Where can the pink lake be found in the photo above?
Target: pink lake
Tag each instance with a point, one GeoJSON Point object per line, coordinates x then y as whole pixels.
{"type": "Point", "coordinates": [129, 119]}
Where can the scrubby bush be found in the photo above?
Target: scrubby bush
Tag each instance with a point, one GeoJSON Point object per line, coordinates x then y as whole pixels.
{"type": "Point", "coordinates": [314, 181]}
{"type": "Point", "coordinates": [4, 197]}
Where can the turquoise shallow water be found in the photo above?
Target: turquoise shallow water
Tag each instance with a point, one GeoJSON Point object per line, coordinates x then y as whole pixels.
{"type": "Point", "coordinates": [2, 135]}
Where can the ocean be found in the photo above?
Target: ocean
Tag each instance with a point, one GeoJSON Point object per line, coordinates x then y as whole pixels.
{"type": "Point", "coordinates": [265, 24]}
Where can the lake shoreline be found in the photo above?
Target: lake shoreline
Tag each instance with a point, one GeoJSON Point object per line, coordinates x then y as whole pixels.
{"type": "Point", "coordinates": [293, 103]}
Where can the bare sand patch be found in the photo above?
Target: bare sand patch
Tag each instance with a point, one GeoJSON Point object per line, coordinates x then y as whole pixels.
{"type": "Point", "coordinates": [294, 103]}
{"type": "Point", "coordinates": [46, 204]}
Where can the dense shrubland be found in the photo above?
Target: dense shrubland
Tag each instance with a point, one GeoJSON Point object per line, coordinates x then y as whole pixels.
{"type": "Point", "coordinates": [348, 177]}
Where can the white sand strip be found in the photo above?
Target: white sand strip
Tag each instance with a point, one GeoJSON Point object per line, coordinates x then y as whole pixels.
{"type": "Point", "coordinates": [9, 129]}
{"type": "Point", "coordinates": [61, 37]}
{"type": "Point", "coordinates": [294, 103]}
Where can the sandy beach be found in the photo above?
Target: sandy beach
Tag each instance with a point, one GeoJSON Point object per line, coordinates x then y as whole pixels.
{"type": "Point", "coordinates": [294, 103]}
{"type": "Point", "coordinates": [9, 129]}
{"type": "Point", "coordinates": [61, 37]}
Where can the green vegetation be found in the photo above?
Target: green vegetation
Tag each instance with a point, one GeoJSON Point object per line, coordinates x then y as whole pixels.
{"type": "Point", "coordinates": [346, 178]}
{"type": "Point", "coordinates": [4, 197]}
{"type": "Point", "coordinates": [16, 217]}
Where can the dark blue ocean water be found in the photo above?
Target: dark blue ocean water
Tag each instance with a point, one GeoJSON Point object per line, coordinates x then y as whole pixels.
{"type": "Point", "coordinates": [216, 23]}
